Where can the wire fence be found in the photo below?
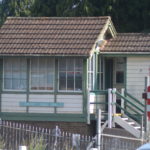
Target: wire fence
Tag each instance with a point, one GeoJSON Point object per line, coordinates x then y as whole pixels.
{"type": "Point", "coordinates": [112, 142]}
{"type": "Point", "coordinates": [13, 134]}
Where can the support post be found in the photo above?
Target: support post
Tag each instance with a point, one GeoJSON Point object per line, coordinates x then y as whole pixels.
{"type": "Point", "coordinates": [122, 100]}
{"type": "Point", "coordinates": [88, 106]}
{"type": "Point", "coordinates": [147, 82]}
{"type": "Point", "coordinates": [146, 123]}
{"type": "Point", "coordinates": [114, 104]}
{"type": "Point", "coordinates": [109, 108]}
{"type": "Point", "coordinates": [98, 129]}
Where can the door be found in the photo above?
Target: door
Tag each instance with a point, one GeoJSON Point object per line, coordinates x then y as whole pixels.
{"type": "Point", "coordinates": [108, 73]}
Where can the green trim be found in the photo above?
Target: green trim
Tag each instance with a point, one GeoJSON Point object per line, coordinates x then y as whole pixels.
{"type": "Point", "coordinates": [124, 55]}
{"type": "Point", "coordinates": [125, 80]}
{"type": "Point", "coordinates": [43, 93]}
{"type": "Point", "coordinates": [41, 104]}
{"type": "Point", "coordinates": [27, 82]}
{"type": "Point", "coordinates": [127, 100]}
{"type": "Point", "coordinates": [96, 72]}
{"type": "Point", "coordinates": [84, 85]}
{"type": "Point", "coordinates": [133, 98]}
{"type": "Point", "coordinates": [43, 117]}
{"type": "Point", "coordinates": [56, 83]}
{"type": "Point", "coordinates": [1, 82]}
{"type": "Point", "coordinates": [99, 92]}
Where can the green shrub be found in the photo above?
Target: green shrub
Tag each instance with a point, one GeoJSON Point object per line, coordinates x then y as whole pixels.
{"type": "Point", "coordinates": [37, 144]}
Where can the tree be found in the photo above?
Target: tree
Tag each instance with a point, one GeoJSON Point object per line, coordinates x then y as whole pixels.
{"type": "Point", "coordinates": [16, 8]}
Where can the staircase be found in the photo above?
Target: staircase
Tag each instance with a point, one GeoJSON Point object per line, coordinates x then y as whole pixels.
{"type": "Point", "coordinates": [129, 125]}
{"type": "Point", "coordinates": [129, 119]}
{"type": "Point", "coordinates": [133, 116]}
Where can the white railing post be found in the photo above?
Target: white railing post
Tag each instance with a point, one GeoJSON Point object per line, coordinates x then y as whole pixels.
{"type": "Point", "coordinates": [98, 129]}
{"type": "Point", "coordinates": [147, 82]}
{"type": "Point", "coordinates": [109, 108]}
{"type": "Point", "coordinates": [122, 100]}
{"type": "Point", "coordinates": [88, 106]}
{"type": "Point", "coordinates": [114, 104]}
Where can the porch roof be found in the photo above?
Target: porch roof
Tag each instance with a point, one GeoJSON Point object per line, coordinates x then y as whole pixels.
{"type": "Point", "coordinates": [136, 43]}
{"type": "Point", "coordinates": [50, 35]}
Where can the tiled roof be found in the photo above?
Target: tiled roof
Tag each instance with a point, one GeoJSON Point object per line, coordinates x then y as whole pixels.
{"type": "Point", "coordinates": [50, 35]}
{"type": "Point", "coordinates": [128, 43]}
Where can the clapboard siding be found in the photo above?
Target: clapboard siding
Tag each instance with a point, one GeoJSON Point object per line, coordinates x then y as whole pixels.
{"type": "Point", "coordinates": [97, 98]}
{"type": "Point", "coordinates": [41, 98]}
{"type": "Point", "coordinates": [10, 102]}
{"type": "Point", "coordinates": [72, 104]}
{"type": "Point", "coordinates": [137, 69]}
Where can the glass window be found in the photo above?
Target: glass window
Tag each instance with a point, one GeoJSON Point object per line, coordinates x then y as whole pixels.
{"type": "Point", "coordinates": [91, 65]}
{"type": "Point", "coordinates": [100, 73]}
{"type": "Point", "coordinates": [70, 74]}
{"type": "Point", "coordinates": [42, 73]}
{"type": "Point", "coordinates": [15, 73]}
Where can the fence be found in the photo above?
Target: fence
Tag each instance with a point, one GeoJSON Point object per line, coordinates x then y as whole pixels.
{"type": "Point", "coordinates": [14, 134]}
{"type": "Point", "coordinates": [112, 142]}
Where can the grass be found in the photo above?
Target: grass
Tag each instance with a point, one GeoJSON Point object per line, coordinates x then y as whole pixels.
{"type": "Point", "coordinates": [37, 144]}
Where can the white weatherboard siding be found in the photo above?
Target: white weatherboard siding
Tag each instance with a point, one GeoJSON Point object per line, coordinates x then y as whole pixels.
{"type": "Point", "coordinates": [73, 104]}
{"type": "Point", "coordinates": [97, 98]}
{"type": "Point", "coordinates": [41, 98]}
{"type": "Point", "coordinates": [137, 69]}
{"type": "Point", "coordinates": [10, 102]}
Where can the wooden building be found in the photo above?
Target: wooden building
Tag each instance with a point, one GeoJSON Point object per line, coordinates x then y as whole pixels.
{"type": "Point", "coordinates": [48, 65]}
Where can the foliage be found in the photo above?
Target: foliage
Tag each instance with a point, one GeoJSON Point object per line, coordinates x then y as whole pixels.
{"type": "Point", "coordinates": [37, 144]}
{"type": "Point", "coordinates": [127, 15]}
{"type": "Point", "coordinates": [1, 143]}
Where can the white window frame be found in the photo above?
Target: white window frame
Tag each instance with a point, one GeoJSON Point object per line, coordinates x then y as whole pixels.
{"type": "Point", "coordinates": [31, 90]}
{"type": "Point", "coordinates": [12, 90]}
{"type": "Point", "coordinates": [101, 72]}
{"type": "Point", "coordinates": [69, 91]}
{"type": "Point", "coordinates": [91, 63]}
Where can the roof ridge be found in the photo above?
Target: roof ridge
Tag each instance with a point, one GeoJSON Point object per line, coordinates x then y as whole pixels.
{"type": "Point", "coordinates": [65, 18]}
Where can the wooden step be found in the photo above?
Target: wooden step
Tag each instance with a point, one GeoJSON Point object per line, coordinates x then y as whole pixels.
{"type": "Point", "coordinates": [124, 119]}
{"type": "Point", "coordinates": [131, 123]}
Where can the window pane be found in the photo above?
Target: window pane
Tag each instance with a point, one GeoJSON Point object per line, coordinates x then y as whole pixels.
{"type": "Point", "coordinates": [78, 81]}
{"type": "Point", "coordinates": [62, 81]}
{"type": "Point", "coordinates": [62, 64]}
{"type": "Point", "coordinates": [50, 81]}
{"type": "Point", "coordinates": [7, 83]}
{"type": "Point", "coordinates": [78, 64]}
{"type": "Point", "coordinates": [119, 77]}
{"type": "Point", "coordinates": [70, 80]}
{"type": "Point", "coordinates": [42, 73]}
{"type": "Point", "coordinates": [70, 64]}
{"type": "Point", "coordinates": [14, 72]}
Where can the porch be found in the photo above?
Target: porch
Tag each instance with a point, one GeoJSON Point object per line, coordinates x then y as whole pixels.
{"type": "Point", "coordinates": [118, 108]}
